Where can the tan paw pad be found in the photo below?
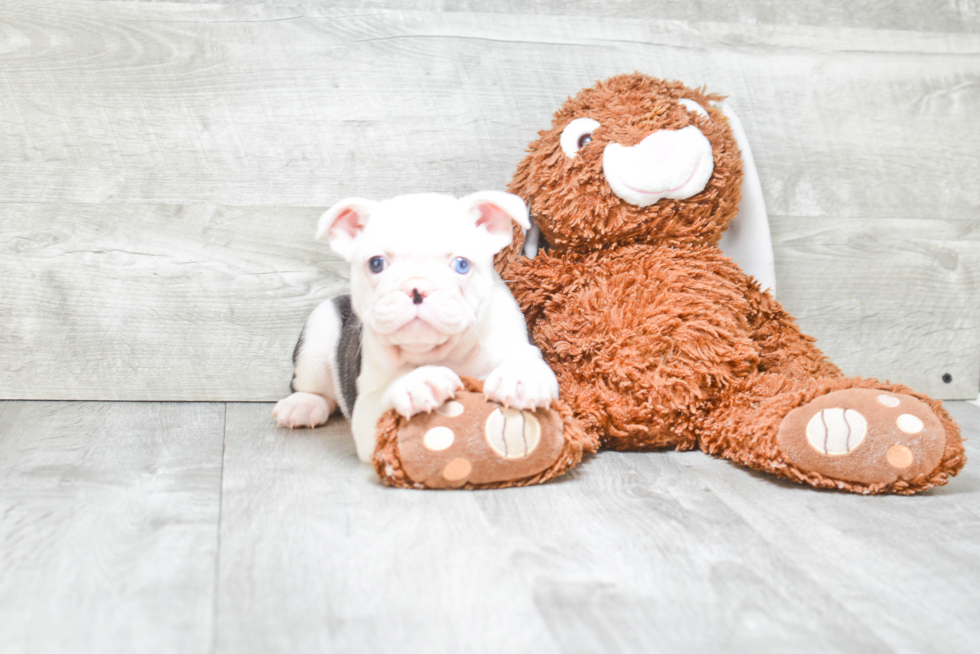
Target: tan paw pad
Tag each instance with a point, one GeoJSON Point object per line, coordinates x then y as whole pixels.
{"type": "Point", "coordinates": [513, 434]}
{"type": "Point", "coordinates": [438, 438]}
{"type": "Point", "coordinates": [457, 470]}
{"type": "Point", "coordinates": [863, 435]}
{"type": "Point", "coordinates": [909, 423]}
{"type": "Point", "coordinates": [899, 456]}
{"type": "Point", "coordinates": [836, 431]}
{"type": "Point", "coordinates": [451, 409]}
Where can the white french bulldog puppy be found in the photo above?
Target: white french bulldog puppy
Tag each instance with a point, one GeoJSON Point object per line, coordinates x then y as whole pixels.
{"type": "Point", "coordinates": [426, 306]}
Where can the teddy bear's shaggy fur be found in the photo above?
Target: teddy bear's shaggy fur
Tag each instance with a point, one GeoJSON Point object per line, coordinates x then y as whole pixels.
{"type": "Point", "coordinates": [661, 341]}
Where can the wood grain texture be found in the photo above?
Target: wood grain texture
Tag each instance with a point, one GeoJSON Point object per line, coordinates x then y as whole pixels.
{"type": "Point", "coordinates": [656, 552]}
{"type": "Point", "coordinates": [317, 556]}
{"type": "Point", "coordinates": [132, 302]}
{"type": "Point", "coordinates": [278, 105]}
{"type": "Point", "coordinates": [884, 303]}
{"type": "Point", "coordinates": [906, 570]}
{"type": "Point", "coordinates": [112, 539]}
{"type": "Point", "coordinates": [157, 302]}
{"type": "Point", "coordinates": [920, 15]}
{"type": "Point", "coordinates": [108, 526]}
{"type": "Point", "coordinates": [135, 137]}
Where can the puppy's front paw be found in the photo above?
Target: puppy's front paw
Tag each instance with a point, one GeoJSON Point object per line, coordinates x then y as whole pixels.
{"type": "Point", "coordinates": [423, 390]}
{"type": "Point", "coordinates": [303, 410]}
{"type": "Point", "coordinates": [522, 385]}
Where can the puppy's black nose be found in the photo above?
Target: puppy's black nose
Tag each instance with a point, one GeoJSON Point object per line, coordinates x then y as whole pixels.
{"type": "Point", "coordinates": [416, 296]}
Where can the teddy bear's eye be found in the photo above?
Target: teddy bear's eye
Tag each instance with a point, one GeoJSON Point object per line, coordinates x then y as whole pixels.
{"type": "Point", "coordinates": [577, 134]}
{"type": "Point", "coordinates": [691, 105]}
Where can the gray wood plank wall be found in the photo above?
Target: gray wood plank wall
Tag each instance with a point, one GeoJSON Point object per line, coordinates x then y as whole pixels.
{"type": "Point", "coordinates": [163, 165]}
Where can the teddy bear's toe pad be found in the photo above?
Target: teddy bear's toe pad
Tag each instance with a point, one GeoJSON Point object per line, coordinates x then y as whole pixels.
{"type": "Point", "coordinates": [470, 440]}
{"type": "Point", "coordinates": [863, 435]}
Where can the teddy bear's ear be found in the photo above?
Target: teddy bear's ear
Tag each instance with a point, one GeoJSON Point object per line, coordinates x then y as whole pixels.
{"type": "Point", "coordinates": [747, 240]}
{"type": "Point", "coordinates": [496, 212]}
{"type": "Point", "coordinates": [342, 222]}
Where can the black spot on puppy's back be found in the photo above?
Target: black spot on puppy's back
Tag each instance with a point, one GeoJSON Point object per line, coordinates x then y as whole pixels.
{"type": "Point", "coordinates": [348, 355]}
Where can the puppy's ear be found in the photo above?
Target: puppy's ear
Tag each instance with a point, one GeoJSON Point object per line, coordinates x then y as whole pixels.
{"type": "Point", "coordinates": [495, 212]}
{"type": "Point", "coordinates": [343, 222]}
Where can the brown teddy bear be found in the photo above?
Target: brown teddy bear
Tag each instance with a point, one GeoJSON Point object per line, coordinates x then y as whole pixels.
{"type": "Point", "coordinates": [661, 341]}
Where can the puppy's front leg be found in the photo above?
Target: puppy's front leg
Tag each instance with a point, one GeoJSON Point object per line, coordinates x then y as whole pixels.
{"type": "Point", "coordinates": [420, 390]}
{"type": "Point", "coordinates": [522, 382]}
{"type": "Point", "coordinates": [364, 422]}
{"type": "Point", "coordinates": [423, 389]}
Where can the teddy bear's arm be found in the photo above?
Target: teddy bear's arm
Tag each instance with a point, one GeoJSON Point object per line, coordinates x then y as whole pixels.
{"type": "Point", "coordinates": [534, 282]}
{"type": "Point", "coordinates": [641, 339]}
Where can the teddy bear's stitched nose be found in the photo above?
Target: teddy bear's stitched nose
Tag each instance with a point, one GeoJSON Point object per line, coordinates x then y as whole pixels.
{"type": "Point", "coordinates": [416, 296]}
{"type": "Point", "coordinates": [675, 164]}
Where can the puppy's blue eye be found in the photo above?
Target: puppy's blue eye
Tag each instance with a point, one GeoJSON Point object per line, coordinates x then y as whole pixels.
{"type": "Point", "coordinates": [461, 265]}
{"type": "Point", "coordinates": [377, 264]}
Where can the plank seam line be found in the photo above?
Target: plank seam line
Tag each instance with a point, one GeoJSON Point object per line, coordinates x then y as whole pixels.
{"type": "Point", "coordinates": [217, 552]}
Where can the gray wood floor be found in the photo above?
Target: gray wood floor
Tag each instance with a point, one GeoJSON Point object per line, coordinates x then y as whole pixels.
{"type": "Point", "coordinates": [199, 527]}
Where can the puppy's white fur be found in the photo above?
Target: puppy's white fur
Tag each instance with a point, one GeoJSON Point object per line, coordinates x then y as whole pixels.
{"type": "Point", "coordinates": [426, 318]}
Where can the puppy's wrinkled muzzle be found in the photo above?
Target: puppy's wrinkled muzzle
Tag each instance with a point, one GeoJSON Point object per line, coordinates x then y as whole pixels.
{"type": "Point", "coordinates": [417, 288]}
{"type": "Point", "coordinates": [418, 310]}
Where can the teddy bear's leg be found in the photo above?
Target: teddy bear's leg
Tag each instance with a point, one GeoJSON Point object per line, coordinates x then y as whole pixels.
{"type": "Point", "coordinates": [472, 442]}
{"type": "Point", "coordinates": [783, 349]}
{"type": "Point", "coordinates": [859, 435]}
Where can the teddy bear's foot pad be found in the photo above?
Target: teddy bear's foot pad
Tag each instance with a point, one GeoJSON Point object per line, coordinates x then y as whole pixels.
{"type": "Point", "coordinates": [863, 435]}
{"type": "Point", "coordinates": [471, 442]}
